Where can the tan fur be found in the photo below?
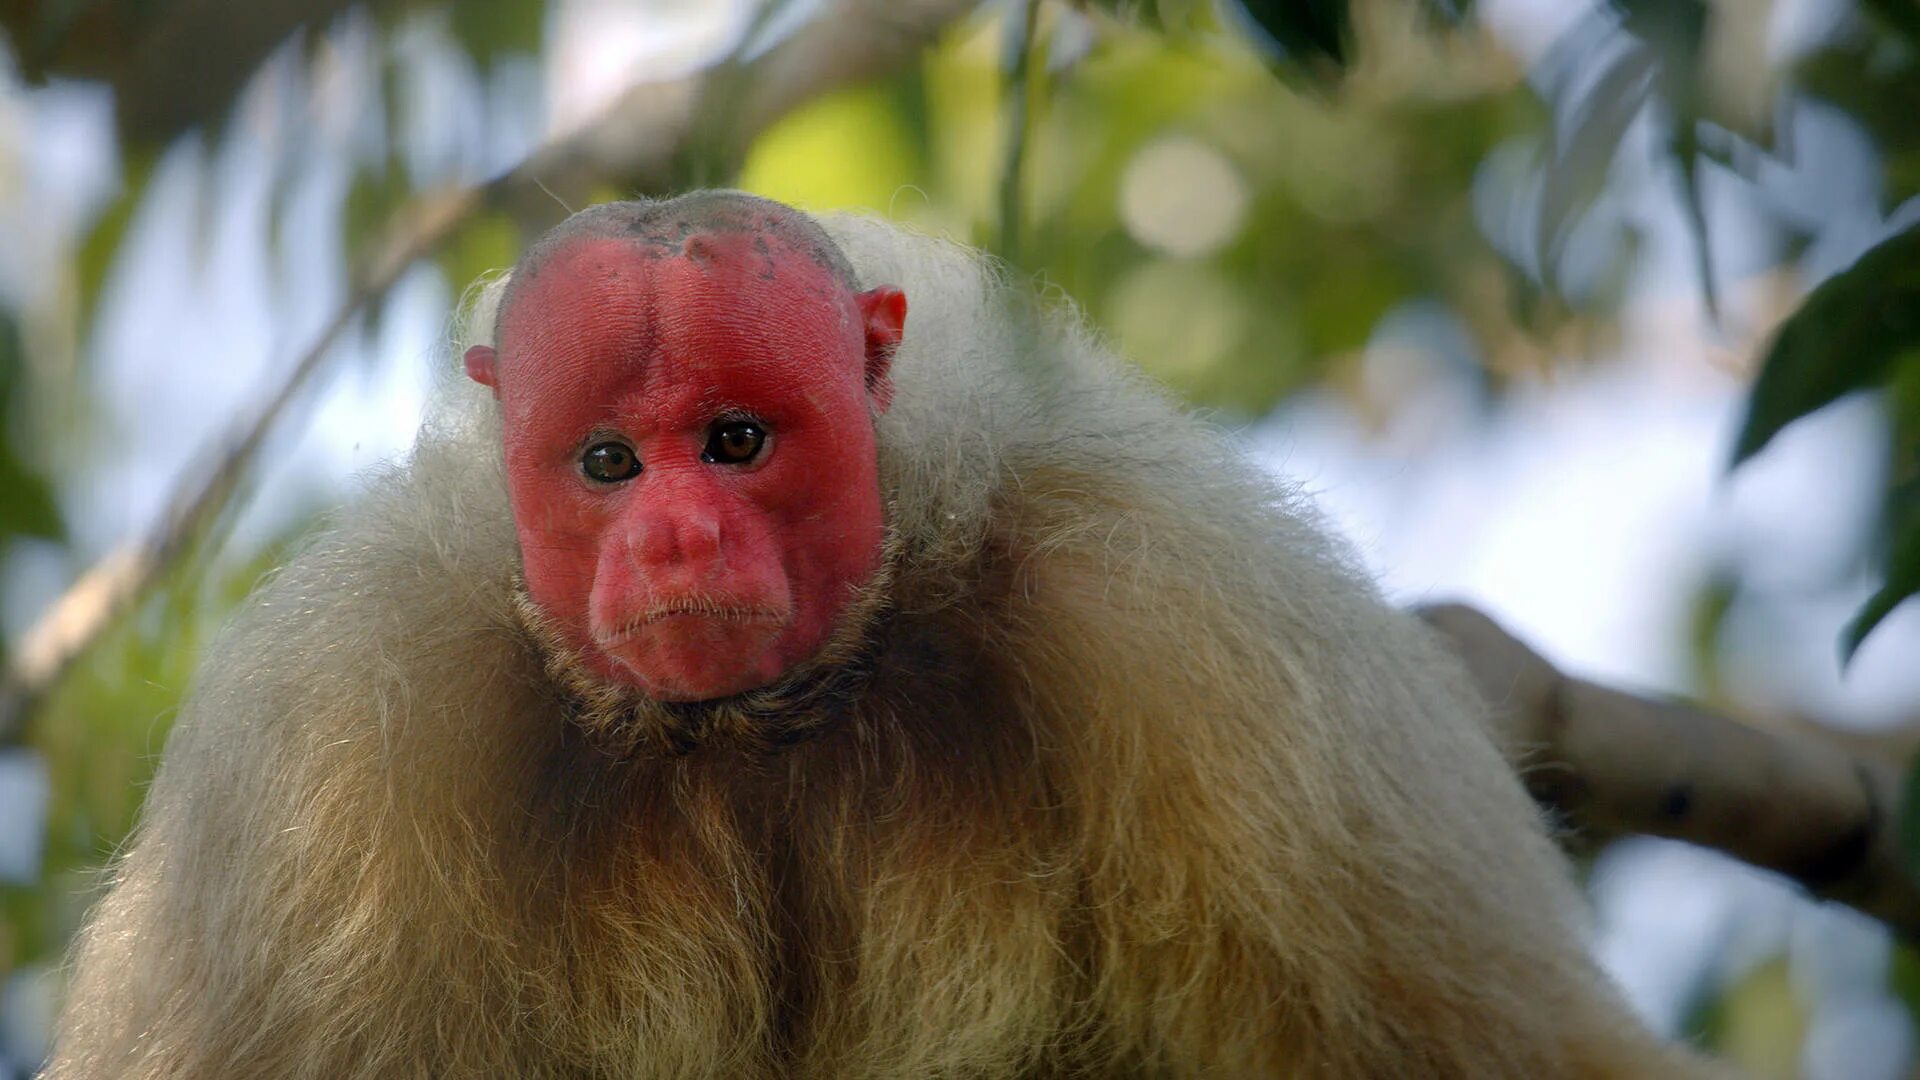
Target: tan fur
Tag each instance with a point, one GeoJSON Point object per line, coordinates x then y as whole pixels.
{"type": "Point", "coordinates": [1142, 780]}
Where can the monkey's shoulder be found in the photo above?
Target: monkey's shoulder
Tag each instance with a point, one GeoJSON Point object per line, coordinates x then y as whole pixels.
{"type": "Point", "coordinates": [400, 601]}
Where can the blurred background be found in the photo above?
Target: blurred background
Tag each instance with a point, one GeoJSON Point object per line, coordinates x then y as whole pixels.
{"type": "Point", "coordinates": [1509, 286]}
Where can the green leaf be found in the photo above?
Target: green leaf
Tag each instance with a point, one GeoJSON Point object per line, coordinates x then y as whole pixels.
{"type": "Point", "coordinates": [1898, 16]}
{"type": "Point", "coordinates": [1578, 171]}
{"type": "Point", "coordinates": [1675, 32]}
{"type": "Point", "coordinates": [1909, 826]}
{"type": "Point", "coordinates": [373, 199]}
{"type": "Point", "coordinates": [1874, 79]}
{"type": "Point", "coordinates": [1684, 148]}
{"type": "Point", "coordinates": [1903, 975]}
{"type": "Point", "coordinates": [27, 506]}
{"type": "Point", "coordinates": [1299, 30]}
{"type": "Point", "coordinates": [1447, 12]}
{"type": "Point", "coordinates": [1627, 54]}
{"type": "Point", "coordinates": [487, 242]}
{"type": "Point", "coordinates": [490, 29]}
{"type": "Point", "coordinates": [1843, 338]}
{"type": "Point", "coordinates": [95, 256]}
{"type": "Point", "coordinates": [1903, 571]}
{"type": "Point", "coordinates": [1144, 13]}
{"type": "Point", "coordinates": [1707, 622]}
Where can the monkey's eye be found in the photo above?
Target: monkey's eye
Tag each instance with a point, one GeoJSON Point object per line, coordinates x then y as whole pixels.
{"type": "Point", "coordinates": [734, 442]}
{"type": "Point", "coordinates": [610, 462]}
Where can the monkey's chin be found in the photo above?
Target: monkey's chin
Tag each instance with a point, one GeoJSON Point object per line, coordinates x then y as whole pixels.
{"type": "Point", "coordinates": [685, 658]}
{"type": "Point", "coordinates": [627, 720]}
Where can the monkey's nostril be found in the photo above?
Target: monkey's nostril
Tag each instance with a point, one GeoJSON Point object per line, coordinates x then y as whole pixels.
{"type": "Point", "coordinates": [674, 541]}
{"type": "Point", "coordinates": [700, 539]}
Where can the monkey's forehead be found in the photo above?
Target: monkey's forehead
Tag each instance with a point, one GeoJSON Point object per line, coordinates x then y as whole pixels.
{"type": "Point", "coordinates": [729, 277]}
{"type": "Point", "coordinates": [714, 273]}
{"type": "Point", "coordinates": [669, 223]}
{"type": "Point", "coordinates": [609, 305]}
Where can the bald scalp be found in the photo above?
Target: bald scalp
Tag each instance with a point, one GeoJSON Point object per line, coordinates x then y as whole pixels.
{"type": "Point", "coordinates": [663, 228]}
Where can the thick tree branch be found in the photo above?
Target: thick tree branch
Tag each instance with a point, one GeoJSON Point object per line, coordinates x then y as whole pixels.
{"type": "Point", "coordinates": [1614, 763]}
{"type": "Point", "coordinates": [637, 140]}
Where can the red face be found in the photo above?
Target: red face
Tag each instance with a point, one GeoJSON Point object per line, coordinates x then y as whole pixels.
{"type": "Point", "coordinates": [690, 453]}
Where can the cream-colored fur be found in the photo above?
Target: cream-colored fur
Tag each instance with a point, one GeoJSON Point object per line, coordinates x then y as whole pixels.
{"type": "Point", "coordinates": [1146, 781]}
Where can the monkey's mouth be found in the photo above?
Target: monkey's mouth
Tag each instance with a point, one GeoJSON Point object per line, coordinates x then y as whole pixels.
{"type": "Point", "coordinates": [706, 609]}
{"type": "Point", "coordinates": [625, 721]}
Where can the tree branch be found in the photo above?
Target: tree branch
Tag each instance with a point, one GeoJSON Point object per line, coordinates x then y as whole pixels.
{"type": "Point", "coordinates": [637, 139]}
{"type": "Point", "coordinates": [1613, 763]}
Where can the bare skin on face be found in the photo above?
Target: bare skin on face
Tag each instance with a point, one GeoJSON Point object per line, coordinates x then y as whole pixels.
{"type": "Point", "coordinates": [690, 453]}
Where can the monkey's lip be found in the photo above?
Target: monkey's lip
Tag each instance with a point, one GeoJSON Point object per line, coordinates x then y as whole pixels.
{"type": "Point", "coordinates": [710, 609]}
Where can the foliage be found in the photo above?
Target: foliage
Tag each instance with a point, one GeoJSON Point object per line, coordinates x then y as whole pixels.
{"type": "Point", "coordinates": [100, 732]}
{"type": "Point", "coordinates": [1860, 329]}
{"type": "Point", "coordinates": [1347, 151]}
{"type": "Point", "coordinates": [26, 499]}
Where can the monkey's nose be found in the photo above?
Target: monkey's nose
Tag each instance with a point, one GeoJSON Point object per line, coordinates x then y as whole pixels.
{"type": "Point", "coordinates": [672, 540]}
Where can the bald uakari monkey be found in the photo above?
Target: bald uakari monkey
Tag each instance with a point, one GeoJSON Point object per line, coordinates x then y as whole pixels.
{"type": "Point", "coordinates": [803, 655]}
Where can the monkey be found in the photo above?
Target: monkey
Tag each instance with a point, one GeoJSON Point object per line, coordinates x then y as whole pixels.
{"type": "Point", "coordinates": [741, 678]}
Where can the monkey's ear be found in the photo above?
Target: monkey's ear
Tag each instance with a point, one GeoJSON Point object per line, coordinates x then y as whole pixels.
{"type": "Point", "coordinates": [884, 311]}
{"type": "Point", "coordinates": [483, 367]}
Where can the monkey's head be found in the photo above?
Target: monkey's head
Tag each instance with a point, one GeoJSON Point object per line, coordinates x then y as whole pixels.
{"type": "Point", "coordinates": [687, 391]}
